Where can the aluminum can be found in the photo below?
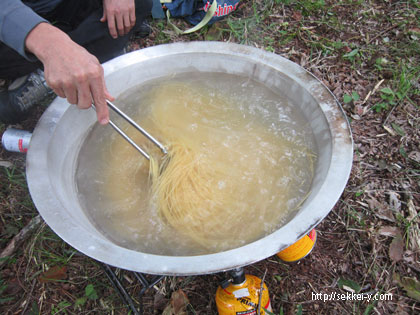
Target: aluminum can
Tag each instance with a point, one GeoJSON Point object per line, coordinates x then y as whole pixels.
{"type": "Point", "coordinates": [16, 140]}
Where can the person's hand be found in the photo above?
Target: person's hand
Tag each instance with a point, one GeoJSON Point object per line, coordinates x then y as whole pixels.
{"type": "Point", "coordinates": [120, 15]}
{"type": "Point", "coordinates": [70, 70]}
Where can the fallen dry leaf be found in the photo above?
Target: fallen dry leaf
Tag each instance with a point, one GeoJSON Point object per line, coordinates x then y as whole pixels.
{"type": "Point", "coordinates": [6, 164]}
{"type": "Point", "coordinates": [390, 131]}
{"type": "Point", "coordinates": [13, 287]}
{"type": "Point", "coordinates": [396, 248]}
{"type": "Point", "coordinates": [159, 302]}
{"type": "Point", "coordinates": [414, 230]}
{"type": "Point", "coordinates": [359, 110]}
{"type": "Point", "coordinates": [297, 16]}
{"type": "Point", "coordinates": [389, 231]}
{"type": "Point", "coordinates": [414, 238]}
{"type": "Point", "coordinates": [409, 257]}
{"type": "Point", "coordinates": [414, 30]}
{"type": "Point", "coordinates": [178, 304]}
{"type": "Point", "coordinates": [394, 201]}
{"type": "Point", "coordinates": [381, 211]}
{"type": "Point", "coordinates": [415, 156]}
{"type": "Point", "coordinates": [401, 309]}
{"type": "Point", "coordinates": [347, 49]}
{"type": "Point", "coordinates": [53, 274]}
{"type": "Point", "coordinates": [412, 212]}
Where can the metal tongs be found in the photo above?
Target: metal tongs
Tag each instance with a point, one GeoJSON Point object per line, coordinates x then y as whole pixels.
{"type": "Point", "coordinates": [135, 125]}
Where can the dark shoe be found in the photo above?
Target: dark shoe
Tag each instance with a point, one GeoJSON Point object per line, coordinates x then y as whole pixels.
{"type": "Point", "coordinates": [143, 30]}
{"type": "Point", "coordinates": [7, 115]}
{"type": "Point", "coordinates": [28, 91]}
{"type": "Point", "coordinates": [22, 95]}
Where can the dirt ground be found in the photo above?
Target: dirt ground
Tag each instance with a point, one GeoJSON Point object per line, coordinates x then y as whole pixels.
{"type": "Point", "coordinates": [368, 54]}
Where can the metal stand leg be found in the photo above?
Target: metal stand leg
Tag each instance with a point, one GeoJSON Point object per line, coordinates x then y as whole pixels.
{"type": "Point", "coordinates": [127, 299]}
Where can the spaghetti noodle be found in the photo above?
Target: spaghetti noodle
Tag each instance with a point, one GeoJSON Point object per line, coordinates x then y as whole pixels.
{"type": "Point", "coordinates": [239, 163]}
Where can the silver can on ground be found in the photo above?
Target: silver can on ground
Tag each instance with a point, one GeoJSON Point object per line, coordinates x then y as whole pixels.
{"type": "Point", "coordinates": [16, 140]}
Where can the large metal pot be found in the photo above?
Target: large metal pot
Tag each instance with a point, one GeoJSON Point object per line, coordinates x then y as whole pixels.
{"type": "Point", "coordinates": [54, 149]}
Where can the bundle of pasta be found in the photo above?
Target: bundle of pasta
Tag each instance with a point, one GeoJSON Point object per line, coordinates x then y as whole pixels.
{"type": "Point", "coordinates": [237, 166]}
{"type": "Point", "coordinates": [214, 185]}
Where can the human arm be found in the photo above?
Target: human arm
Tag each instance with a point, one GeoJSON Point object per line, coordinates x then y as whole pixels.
{"type": "Point", "coordinates": [16, 21]}
{"type": "Point", "coordinates": [70, 70]}
{"type": "Point", "coordinates": [120, 15]}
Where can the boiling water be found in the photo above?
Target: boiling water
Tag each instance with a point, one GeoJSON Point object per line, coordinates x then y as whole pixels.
{"type": "Point", "coordinates": [255, 152]}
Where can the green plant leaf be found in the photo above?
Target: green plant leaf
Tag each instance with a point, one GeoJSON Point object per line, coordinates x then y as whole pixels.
{"type": "Point", "coordinates": [281, 311]}
{"type": "Point", "coordinates": [355, 96]}
{"type": "Point", "coordinates": [351, 54]}
{"type": "Point", "coordinates": [398, 129]}
{"type": "Point", "coordinates": [380, 61]}
{"type": "Point", "coordinates": [370, 307]}
{"type": "Point", "coordinates": [267, 311]}
{"type": "Point", "coordinates": [359, 193]}
{"type": "Point", "coordinates": [402, 152]}
{"type": "Point", "coordinates": [380, 106]}
{"type": "Point", "coordinates": [64, 304]}
{"type": "Point", "coordinates": [34, 309]}
{"type": "Point", "coordinates": [5, 300]}
{"type": "Point", "coordinates": [3, 286]}
{"type": "Point", "coordinates": [410, 285]}
{"type": "Point", "coordinates": [347, 98]}
{"type": "Point", "coordinates": [349, 285]}
{"type": "Point", "coordinates": [80, 301]}
{"type": "Point", "coordinates": [90, 292]}
{"type": "Point", "coordinates": [387, 91]}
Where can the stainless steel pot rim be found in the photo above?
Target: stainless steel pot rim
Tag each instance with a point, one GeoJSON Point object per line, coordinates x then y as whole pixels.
{"type": "Point", "coordinates": [103, 250]}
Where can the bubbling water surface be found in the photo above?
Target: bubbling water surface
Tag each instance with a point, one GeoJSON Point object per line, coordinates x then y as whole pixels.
{"type": "Point", "coordinates": [253, 155]}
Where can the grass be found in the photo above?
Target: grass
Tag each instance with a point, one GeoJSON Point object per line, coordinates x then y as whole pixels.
{"type": "Point", "coordinates": [15, 201]}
